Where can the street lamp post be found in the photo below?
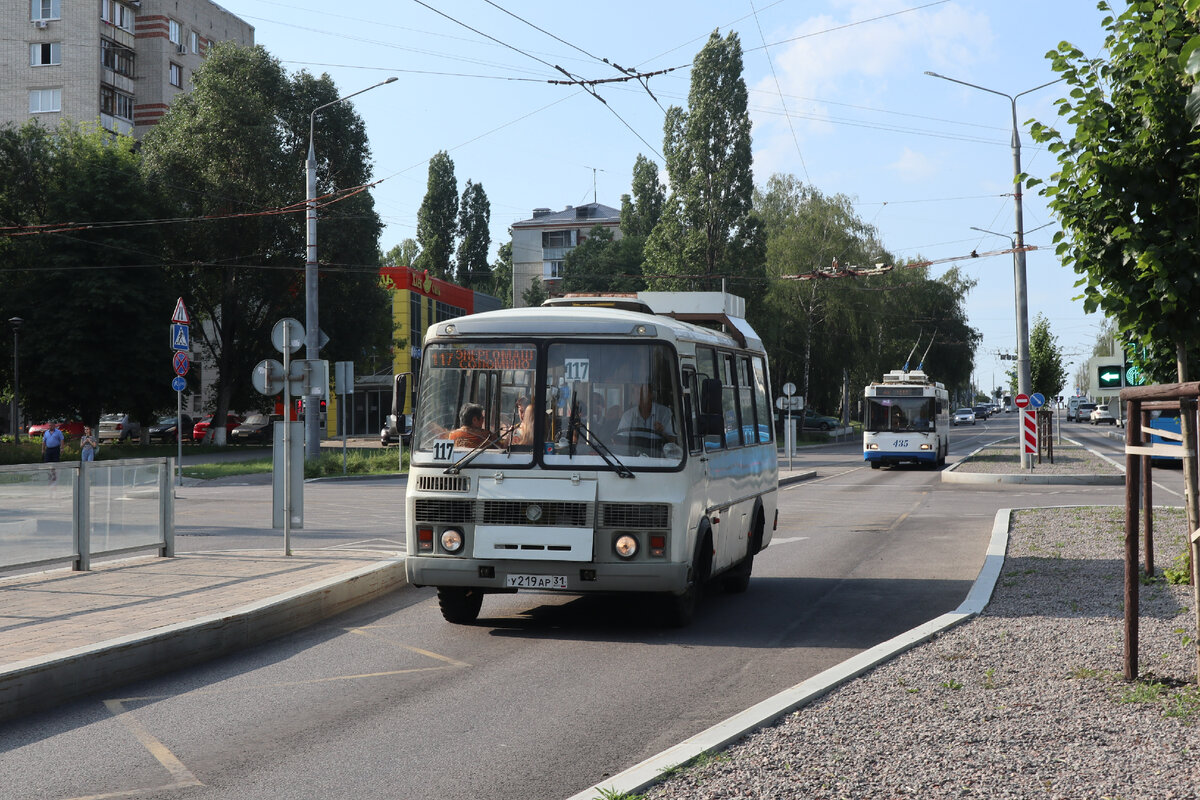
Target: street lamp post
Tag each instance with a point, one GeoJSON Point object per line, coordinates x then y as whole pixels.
{"type": "Point", "coordinates": [312, 402]}
{"type": "Point", "coordinates": [16, 401]}
{"type": "Point", "coordinates": [1023, 371]}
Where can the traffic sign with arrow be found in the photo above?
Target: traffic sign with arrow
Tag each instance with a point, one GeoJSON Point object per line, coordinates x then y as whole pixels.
{"type": "Point", "coordinates": [1108, 377]}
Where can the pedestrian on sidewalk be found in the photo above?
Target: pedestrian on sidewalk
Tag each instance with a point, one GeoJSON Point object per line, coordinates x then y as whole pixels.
{"type": "Point", "coordinates": [88, 445]}
{"type": "Point", "coordinates": [52, 441]}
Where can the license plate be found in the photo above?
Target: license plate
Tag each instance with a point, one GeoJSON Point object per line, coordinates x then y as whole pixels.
{"type": "Point", "coordinates": [536, 581]}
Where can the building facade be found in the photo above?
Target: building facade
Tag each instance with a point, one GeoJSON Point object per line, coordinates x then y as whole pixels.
{"type": "Point", "coordinates": [117, 62]}
{"type": "Point", "coordinates": [541, 243]}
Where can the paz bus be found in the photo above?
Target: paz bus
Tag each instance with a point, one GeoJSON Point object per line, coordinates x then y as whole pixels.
{"type": "Point", "coordinates": [593, 444]}
{"type": "Point", "coordinates": [907, 420]}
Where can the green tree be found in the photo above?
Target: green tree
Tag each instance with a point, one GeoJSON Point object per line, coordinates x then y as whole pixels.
{"type": "Point", "coordinates": [1048, 375]}
{"type": "Point", "coordinates": [228, 151]}
{"type": "Point", "coordinates": [1127, 189]}
{"type": "Point", "coordinates": [95, 300]}
{"type": "Point", "coordinates": [502, 273]}
{"type": "Point", "coordinates": [602, 263]}
{"type": "Point", "coordinates": [474, 217]}
{"type": "Point", "coordinates": [437, 218]}
{"type": "Point", "coordinates": [401, 255]}
{"type": "Point", "coordinates": [535, 295]}
{"type": "Point", "coordinates": [706, 228]}
{"type": "Point", "coordinates": [640, 212]}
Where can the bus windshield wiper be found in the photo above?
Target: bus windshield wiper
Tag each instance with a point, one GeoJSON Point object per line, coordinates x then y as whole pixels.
{"type": "Point", "coordinates": [602, 450]}
{"type": "Point", "coordinates": [469, 456]}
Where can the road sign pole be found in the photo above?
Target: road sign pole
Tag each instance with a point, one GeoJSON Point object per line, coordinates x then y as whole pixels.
{"type": "Point", "coordinates": [287, 446]}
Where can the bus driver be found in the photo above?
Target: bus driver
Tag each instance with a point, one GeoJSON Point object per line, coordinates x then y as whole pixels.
{"type": "Point", "coordinates": [648, 416]}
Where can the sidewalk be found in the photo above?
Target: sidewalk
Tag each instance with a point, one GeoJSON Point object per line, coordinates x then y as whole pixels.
{"type": "Point", "coordinates": [65, 634]}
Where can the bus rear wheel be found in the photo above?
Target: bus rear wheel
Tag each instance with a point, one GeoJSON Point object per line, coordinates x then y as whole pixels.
{"type": "Point", "coordinates": [460, 605]}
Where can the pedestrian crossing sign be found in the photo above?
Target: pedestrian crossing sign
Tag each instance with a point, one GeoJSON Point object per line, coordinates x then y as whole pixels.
{"type": "Point", "coordinates": [180, 337]}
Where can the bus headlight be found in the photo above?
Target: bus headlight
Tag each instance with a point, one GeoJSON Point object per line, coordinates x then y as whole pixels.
{"type": "Point", "coordinates": [926, 447]}
{"type": "Point", "coordinates": [452, 540]}
{"type": "Point", "coordinates": [625, 546]}
{"type": "Point", "coordinates": [872, 446]}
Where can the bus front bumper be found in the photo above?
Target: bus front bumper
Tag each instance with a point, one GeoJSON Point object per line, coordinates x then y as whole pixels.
{"type": "Point", "coordinates": [565, 576]}
{"type": "Point", "coordinates": [916, 457]}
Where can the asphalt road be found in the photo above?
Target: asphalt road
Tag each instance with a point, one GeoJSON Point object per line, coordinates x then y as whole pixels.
{"type": "Point", "coordinates": [547, 694]}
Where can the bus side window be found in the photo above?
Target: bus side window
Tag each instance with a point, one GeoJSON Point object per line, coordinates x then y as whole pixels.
{"type": "Point", "coordinates": [691, 410]}
{"type": "Point", "coordinates": [729, 401]}
{"type": "Point", "coordinates": [711, 424]}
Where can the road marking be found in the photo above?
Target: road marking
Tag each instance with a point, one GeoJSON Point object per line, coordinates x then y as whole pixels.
{"type": "Point", "coordinates": [788, 539]}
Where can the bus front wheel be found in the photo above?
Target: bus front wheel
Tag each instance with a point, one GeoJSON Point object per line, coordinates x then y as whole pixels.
{"type": "Point", "coordinates": [678, 609]}
{"type": "Point", "coordinates": [459, 605]}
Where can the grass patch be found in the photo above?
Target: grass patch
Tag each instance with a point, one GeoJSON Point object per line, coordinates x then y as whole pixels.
{"type": "Point", "coordinates": [329, 464]}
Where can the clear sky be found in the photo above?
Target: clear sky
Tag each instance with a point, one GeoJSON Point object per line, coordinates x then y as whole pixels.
{"type": "Point", "coordinates": [838, 97]}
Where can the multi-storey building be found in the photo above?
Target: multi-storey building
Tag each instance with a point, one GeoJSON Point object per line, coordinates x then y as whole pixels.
{"type": "Point", "coordinates": [540, 244]}
{"type": "Point", "coordinates": [118, 62]}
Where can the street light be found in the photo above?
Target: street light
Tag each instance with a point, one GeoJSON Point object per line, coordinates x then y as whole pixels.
{"type": "Point", "coordinates": [16, 401]}
{"type": "Point", "coordinates": [312, 402]}
{"type": "Point", "coordinates": [1023, 371]}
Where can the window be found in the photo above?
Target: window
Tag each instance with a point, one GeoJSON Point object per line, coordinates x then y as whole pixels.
{"type": "Point", "coordinates": [117, 58]}
{"type": "Point", "coordinates": [116, 14]}
{"type": "Point", "coordinates": [44, 54]}
{"type": "Point", "coordinates": [44, 9]}
{"type": "Point", "coordinates": [558, 238]}
{"type": "Point", "coordinates": [42, 101]}
{"type": "Point", "coordinates": [173, 32]}
{"type": "Point", "coordinates": [195, 42]}
{"type": "Point", "coordinates": [115, 103]}
{"type": "Point", "coordinates": [552, 270]}
{"type": "Point", "coordinates": [176, 75]}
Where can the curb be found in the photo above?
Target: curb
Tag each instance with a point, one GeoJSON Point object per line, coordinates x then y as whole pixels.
{"type": "Point", "coordinates": [37, 684]}
{"type": "Point", "coordinates": [650, 771]}
{"type": "Point", "coordinates": [952, 475]}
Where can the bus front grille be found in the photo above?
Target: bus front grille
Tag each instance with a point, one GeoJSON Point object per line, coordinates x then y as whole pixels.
{"type": "Point", "coordinates": [639, 516]}
{"type": "Point", "coordinates": [515, 512]}
{"type": "Point", "coordinates": [444, 483]}
{"type": "Point", "coordinates": [428, 510]}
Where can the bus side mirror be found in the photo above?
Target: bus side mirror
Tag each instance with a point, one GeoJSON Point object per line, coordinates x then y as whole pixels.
{"type": "Point", "coordinates": [711, 425]}
{"type": "Point", "coordinates": [710, 398]}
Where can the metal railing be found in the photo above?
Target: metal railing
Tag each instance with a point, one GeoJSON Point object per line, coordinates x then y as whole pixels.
{"type": "Point", "coordinates": [73, 512]}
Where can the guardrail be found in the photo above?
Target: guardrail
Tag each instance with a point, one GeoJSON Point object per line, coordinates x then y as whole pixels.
{"type": "Point", "coordinates": [73, 512]}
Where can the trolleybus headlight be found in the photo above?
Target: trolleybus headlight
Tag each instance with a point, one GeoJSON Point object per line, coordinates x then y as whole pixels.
{"type": "Point", "coordinates": [452, 540]}
{"type": "Point", "coordinates": [626, 546]}
{"type": "Point", "coordinates": [926, 447]}
{"type": "Point", "coordinates": [872, 446]}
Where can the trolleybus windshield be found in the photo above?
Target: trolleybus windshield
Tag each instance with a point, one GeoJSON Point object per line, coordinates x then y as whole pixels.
{"type": "Point", "coordinates": [893, 414]}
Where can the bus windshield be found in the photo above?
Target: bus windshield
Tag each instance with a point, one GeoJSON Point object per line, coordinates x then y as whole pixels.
{"type": "Point", "coordinates": [895, 414]}
{"type": "Point", "coordinates": [483, 395]}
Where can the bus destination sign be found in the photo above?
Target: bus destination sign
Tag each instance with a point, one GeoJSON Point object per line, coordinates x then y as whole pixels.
{"type": "Point", "coordinates": [471, 357]}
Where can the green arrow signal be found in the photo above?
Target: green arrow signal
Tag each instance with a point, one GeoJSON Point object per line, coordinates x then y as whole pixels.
{"type": "Point", "coordinates": [1109, 376]}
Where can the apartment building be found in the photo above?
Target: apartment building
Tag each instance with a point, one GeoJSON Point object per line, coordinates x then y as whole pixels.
{"type": "Point", "coordinates": [540, 244]}
{"type": "Point", "coordinates": [118, 62]}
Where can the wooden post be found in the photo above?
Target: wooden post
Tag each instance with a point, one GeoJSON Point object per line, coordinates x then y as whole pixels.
{"type": "Point", "coordinates": [1133, 437]}
{"type": "Point", "coordinates": [1147, 499]}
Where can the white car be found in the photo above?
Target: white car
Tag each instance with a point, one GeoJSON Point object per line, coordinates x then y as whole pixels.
{"type": "Point", "coordinates": [964, 416]}
{"type": "Point", "coordinates": [1101, 415]}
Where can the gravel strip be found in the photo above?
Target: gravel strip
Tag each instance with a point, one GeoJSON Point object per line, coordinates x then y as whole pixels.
{"type": "Point", "coordinates": [1069, 459]}
{"type": "Point", "coordinates": [1025, 700]}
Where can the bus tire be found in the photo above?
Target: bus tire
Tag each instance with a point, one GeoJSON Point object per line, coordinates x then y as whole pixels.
{"type": "Point", "coordinates": [679, 609]}
{"type": "Point", "coordinates": [460, 605]}
{"type": "Point", "coordinates": [874, 465]}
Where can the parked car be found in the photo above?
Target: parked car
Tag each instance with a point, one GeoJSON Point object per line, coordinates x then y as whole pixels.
{"type": "Point", "coordinates": [1101, 415]}
{"type": "Point", "coordinates": [982, 412]}
{"type": "Point", "coordinates": [255, 428]}
{"type": "Point", "coordinates": [118, 428]}
{"type": "Point", "coordinates": [1083, 411]}
{"type": "Point", "coordinates": [812, 419]}
{"type": "Point", "coordinates": [201, 427]}
{"type": "Point", "coordinates": [71, 429]}
{"type": "Point", "coordinates": [964, 416]}
{"type": "Point", "coordinates": [387, 436]}
{"type": "Point", "coordinates": [166, 429]}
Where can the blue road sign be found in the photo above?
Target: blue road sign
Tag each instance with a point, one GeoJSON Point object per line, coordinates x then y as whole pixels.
{"type": "Point", "coordinates": [179, 383]}
{"type": "Point", "coordinates": [180, 336]}
{"type": "Point", "coordinates": [1037, 400]}
{"type": "Point", "coordinates": [180, 362]}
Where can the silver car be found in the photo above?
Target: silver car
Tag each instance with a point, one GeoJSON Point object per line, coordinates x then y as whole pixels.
{"type": "Point", "coordinates": [964, 416]}
{"type": "Point", "coordinates": [118, 428]}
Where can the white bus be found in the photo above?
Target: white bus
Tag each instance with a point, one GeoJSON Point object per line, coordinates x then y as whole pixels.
{"type": "Point", "coordinates": [591, 445]}
{"type": "Point", "coordinates": [907, 421]}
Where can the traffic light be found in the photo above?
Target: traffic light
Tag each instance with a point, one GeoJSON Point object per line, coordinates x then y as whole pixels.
{"type": "Point", "coordinates": [322, 406]}
{"type": "Point", "coordinates": [1108, 377]}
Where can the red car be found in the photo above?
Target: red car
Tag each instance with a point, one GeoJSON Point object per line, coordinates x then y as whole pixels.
{"type": "Point", "coordinates": [72, 429]}
{"type": "Point", "coordinates": [201, 427]}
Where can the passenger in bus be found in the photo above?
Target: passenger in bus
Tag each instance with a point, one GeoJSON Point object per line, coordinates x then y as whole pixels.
{"type": "Point", "coordinates": [522, 432]}
{"type": "Point", "coordinates": [648, 416]}
{"type": "Point", "coordinates": [471, 432]}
